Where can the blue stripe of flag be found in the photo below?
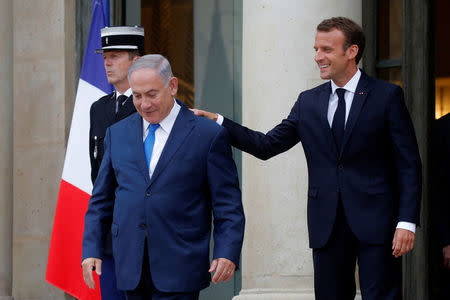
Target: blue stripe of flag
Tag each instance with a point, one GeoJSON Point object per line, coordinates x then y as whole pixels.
{"type": "Point", "coordinates": [106, 11]}
{"type": "Point", "coordinates": [93, 70]}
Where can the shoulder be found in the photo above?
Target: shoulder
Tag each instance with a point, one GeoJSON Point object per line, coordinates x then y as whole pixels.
{"type": "Point", "coordinates": [310, 96]}
{"type": "Point", "coordinates": [206, 124]}
{"type": "Point", "coordinates": [378, 86]}
{"type": "Point", "coordinates": [131, 120]}
{"type": "Point", "coordinates": [205, 127]}
{"type": "Point", "coordinates": [102, 101]}
{"type": "Point", "coordinates": [324, 87]}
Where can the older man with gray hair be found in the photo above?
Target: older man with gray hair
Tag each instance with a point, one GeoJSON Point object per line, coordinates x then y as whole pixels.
{"type": "Point", "coordinates": [170, 172]}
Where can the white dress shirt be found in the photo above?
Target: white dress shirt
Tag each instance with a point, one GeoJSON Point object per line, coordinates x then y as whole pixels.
{"type": "Point", "coordinates": [161, 135]}
{"type": "Point", "coordinates": [350, 88]}
{"type": "Point", "coordinates": [117, 94]}
{"type": "Point", "coordinates": [127, 93]}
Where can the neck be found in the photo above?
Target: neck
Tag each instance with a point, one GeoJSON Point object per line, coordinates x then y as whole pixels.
{"type": "Point", "coordinates": [122, 87]}
{"type": "Point", "coordinates": [345, 77]}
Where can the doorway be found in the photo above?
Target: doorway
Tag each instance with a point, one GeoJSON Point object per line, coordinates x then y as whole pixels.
{"type": "Point", "coordinates": [202, 40]}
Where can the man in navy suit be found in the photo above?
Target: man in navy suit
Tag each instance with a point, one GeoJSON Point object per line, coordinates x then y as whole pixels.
{"type": "Point", "coordinates": [363, 164]}
{"type": "Point", "coordinates": [164, 173]}
{"type": "Point", "coordinates": [441, 205]}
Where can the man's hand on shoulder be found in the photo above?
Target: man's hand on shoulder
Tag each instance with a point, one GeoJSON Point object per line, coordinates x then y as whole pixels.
{"type": "Point", "coordinates": [206, 114]}
{"type": "Point", "coordinates": [224, 270]}
{"type": "Point", "coordinates": [403, 242]}
{"type": "Point", "coordinates": [446, 254]}
{"type": "Point", "coordinates": [89, 265]}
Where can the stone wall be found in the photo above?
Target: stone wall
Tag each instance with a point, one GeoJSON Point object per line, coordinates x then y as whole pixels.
{"type": "Point", "coordinates": [43, 92]}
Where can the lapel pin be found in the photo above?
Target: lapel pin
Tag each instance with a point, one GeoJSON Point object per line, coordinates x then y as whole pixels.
{"type": "Point", "coordinates": [361, 93]}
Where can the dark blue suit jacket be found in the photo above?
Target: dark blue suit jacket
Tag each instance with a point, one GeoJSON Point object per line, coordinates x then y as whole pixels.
{"type": "Point", "coordinates": [441, 180]}
{"type": "Point", "coordinates": [377, 171]}
{"type": "Point", "coordinates": [195, 177]}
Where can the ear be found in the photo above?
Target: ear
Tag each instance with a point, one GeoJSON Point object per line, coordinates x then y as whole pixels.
{"type": "Point", "coordinates": [136, 58]}
{"type": "Point", "coordinates": [352, 51]}
{"type": "Point", "coordinates": [173, 86]}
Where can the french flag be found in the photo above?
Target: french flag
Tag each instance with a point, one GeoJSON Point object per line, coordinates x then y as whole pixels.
{"type": "Point", "coordinates": [64, 258]}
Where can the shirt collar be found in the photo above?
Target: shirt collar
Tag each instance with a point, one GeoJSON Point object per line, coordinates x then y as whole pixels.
{"type": "Point", "coordinates": [127, 93]}
{"type": "Point", "coordinates": [167, 123]}
{"type": "Point", "coordinates": [351, 84]}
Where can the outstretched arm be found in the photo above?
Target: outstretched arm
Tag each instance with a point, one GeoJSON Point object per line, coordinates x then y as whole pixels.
{"type": "Point", "coordinates": [264, 146]}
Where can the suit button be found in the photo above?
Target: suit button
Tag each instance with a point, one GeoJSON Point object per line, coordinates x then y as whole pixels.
{"type": "Point", "coordinates": [148, 194]}
{"type": "Point", "coordinates": [143, 226]}
{"type": "Point", "coordinates": [341, 167]}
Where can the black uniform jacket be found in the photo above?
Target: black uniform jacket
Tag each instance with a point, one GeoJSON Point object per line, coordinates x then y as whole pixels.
{"type": "Point", "coordinates": [102, 115]}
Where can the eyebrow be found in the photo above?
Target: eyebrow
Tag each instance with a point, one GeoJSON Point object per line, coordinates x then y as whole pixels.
{"type": "Point", "coordinates": [146, 92]}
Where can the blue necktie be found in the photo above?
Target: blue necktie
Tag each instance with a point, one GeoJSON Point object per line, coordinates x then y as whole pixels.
{"type": "Point", "coordinates": [150, 142]}
{"type": "Point", "coordinates": [338, 125]}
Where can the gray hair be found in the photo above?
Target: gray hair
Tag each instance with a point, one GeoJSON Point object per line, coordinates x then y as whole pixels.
{"type": "Point", "coordinates": [153, 61]}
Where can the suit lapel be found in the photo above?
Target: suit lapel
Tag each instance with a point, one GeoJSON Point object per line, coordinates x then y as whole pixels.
{"type": "Point", "coordinates": [359, 99]}
{"type": "Point", "coordinates": [110, 110]}
{"type": "Point", "coordinates": [183, 125]}
{"type": "Point", "coordinates": [137, 139]}
{"type": "Point", "coordinates": [127, 108]}
{"type": "Point", "coordinates": [324, 100]}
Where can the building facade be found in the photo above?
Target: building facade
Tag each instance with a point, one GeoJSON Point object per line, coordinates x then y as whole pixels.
{"type": "Point", "coordinates": [249, 60]}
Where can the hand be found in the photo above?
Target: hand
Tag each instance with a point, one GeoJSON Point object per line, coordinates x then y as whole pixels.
{"type": "Point", "coordinates": [403, 242]}
{"type": "Point", "coordinates": [446, 253]}
{"type": "Point", "coordinates": [90, 264]}
{"type": "Point", "coordinates": [224, 270]}
{"type": "Point", "coordinates": [206, 114]}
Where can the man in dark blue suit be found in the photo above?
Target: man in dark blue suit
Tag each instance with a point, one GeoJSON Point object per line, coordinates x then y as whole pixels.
{"type": "Point", "coordinates": [363, 164]}
{"type": "Point", "coordinates": [164, 173]}
{"type": "Point", "coordinates": [441, 205]}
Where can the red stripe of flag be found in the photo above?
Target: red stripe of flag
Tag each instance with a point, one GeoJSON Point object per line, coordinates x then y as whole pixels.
{"type": "Point", "coordinates": [64, 258]}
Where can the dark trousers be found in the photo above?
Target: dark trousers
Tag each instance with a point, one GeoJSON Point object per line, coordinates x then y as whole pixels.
{"type": "Point", "coordinates": [108, 286]}
{"type": "Point", "coordinates": [334, 267]}
{"type": "Point", "coordinates": [146, 290]}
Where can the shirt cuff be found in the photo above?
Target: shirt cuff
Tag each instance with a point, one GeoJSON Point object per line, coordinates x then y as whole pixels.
{"type": "Point", "coordinates": [219, 119]}
{"type": "Point", "coordinates": [407, 225]}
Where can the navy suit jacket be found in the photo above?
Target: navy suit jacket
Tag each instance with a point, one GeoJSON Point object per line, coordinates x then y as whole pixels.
{"type": "Point", "coordinates": [377, 171]}
{"type": "Point", "coordinates": [194, 178]}
{"type": "Point", "coordinates": [441, 199]}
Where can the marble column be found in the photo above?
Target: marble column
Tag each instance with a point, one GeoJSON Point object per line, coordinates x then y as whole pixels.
{"type": "Point", "coordinates": [44, 56]}
{"type": "Point", "coordinates": [6, 150]}
{"type": "Point", "coordinates": [277, 64]}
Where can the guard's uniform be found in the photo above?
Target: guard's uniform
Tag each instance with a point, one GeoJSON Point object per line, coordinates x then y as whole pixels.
{"type": "Point", "coordinates": [103, 114]}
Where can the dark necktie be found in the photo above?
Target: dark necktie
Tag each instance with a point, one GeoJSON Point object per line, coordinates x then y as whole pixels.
{"type": "Point", "coordinates": [338, 125]}
{"type": "Point", "coordinates": [120, 100]}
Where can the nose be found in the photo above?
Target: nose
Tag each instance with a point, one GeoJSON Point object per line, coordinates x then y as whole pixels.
{"type": "Point", "coordinates": [318, 56]}
{"type": "Point", "coordinates": [107, 62]}
{"type": "Point", "coordinates": [146, 104]}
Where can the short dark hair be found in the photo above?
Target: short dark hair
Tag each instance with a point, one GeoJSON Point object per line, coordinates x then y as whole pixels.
{"type": "Point", "coordinates": [353, 33]}
{"type": "Point", "coordinates": [133, 53]}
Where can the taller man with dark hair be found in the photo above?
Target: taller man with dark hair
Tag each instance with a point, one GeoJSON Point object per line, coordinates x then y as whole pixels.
{"type": "Point", "coordinates": [363, 164]}
{"type": "Point", "coordinates": [121, 46]}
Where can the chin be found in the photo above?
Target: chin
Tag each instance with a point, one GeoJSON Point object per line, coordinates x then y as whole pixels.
{"type": "Point", "coordinates": [325, 76]}
{"type": "Point", "coordinates": [151, 120]}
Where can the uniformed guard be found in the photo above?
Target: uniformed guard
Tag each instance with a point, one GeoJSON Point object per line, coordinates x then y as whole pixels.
{"type": "Point", "coordinates": [121, 46]}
